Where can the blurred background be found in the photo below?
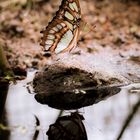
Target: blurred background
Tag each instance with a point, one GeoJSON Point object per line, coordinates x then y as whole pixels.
{"type": "Point", "coordinates": [117, 27]}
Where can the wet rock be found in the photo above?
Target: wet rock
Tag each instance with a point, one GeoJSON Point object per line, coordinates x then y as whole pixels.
{"type": "Point", "coordinates": [75, 81]}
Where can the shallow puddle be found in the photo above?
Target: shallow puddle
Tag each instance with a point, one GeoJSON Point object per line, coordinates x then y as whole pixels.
{"type": "Point", "coordinates": [102, 121]}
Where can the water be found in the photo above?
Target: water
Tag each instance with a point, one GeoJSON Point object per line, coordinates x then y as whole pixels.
{"type": "Point", "coordinates": [103, 120]}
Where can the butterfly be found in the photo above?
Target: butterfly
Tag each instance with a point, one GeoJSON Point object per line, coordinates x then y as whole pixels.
{"type": "Point", "coordinates": [61, 34]}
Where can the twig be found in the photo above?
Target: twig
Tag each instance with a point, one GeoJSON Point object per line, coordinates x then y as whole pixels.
{"type": "Point", "coordinates": [6, 75]}
{"type": "Point", "coordinates": [37, 131]}
{"type": "Point", "coordinates": [129, 119]}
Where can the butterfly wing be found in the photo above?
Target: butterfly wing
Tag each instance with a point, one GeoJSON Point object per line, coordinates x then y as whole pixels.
{"type": "Point", "coordinates": [62, 32]}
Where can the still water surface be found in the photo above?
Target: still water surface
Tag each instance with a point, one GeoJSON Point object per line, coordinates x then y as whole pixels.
{"type": "Point", "coordinates": [102, 121]}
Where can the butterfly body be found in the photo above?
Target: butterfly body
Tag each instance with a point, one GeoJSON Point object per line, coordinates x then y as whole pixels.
{"type": "Point", "coordinates": [62, 32]}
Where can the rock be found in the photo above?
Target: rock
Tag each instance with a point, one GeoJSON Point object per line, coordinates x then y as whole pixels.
{"type": "Point", "coordinates": [75, 81]}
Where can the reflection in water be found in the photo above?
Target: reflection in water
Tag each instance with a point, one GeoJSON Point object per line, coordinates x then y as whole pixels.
{"type": "Point", "coordinates": [103, 120]}
{"type": "Point", "coordinates": [22, 107]}
{"type": "Point", "coordinates": [4, 133]}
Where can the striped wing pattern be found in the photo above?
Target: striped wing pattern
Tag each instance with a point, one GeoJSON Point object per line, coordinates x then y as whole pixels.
{"type": "Point", "coordinates": [62, 32]}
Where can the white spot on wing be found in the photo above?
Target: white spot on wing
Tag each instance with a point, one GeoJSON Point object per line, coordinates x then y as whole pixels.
{"type": "Point", "coordinates": [50, 42]}
{"type": "Point", "coordinates": [75, 6]}
{"type": "Point", "coordinates": [63, 24]}
{"type": "Point", "coordinates": [64, 42]}
{"type": "Point", "coordinates": [52, 31]}
{"type": "Point", "coordinates": [68, 15]}
{"type": "Point", "coordinates": [47, 46]}
{"type": "Point", "coordinates": [69, 25]}
{"type": "Point", "coordinates": [59, 26]}
{"type": "Point", "coordinates": [71, 6]}
{"type": "Point", "coordinates": [50, 37]}
{"type": "Point", "coordinates": [55, 29]}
